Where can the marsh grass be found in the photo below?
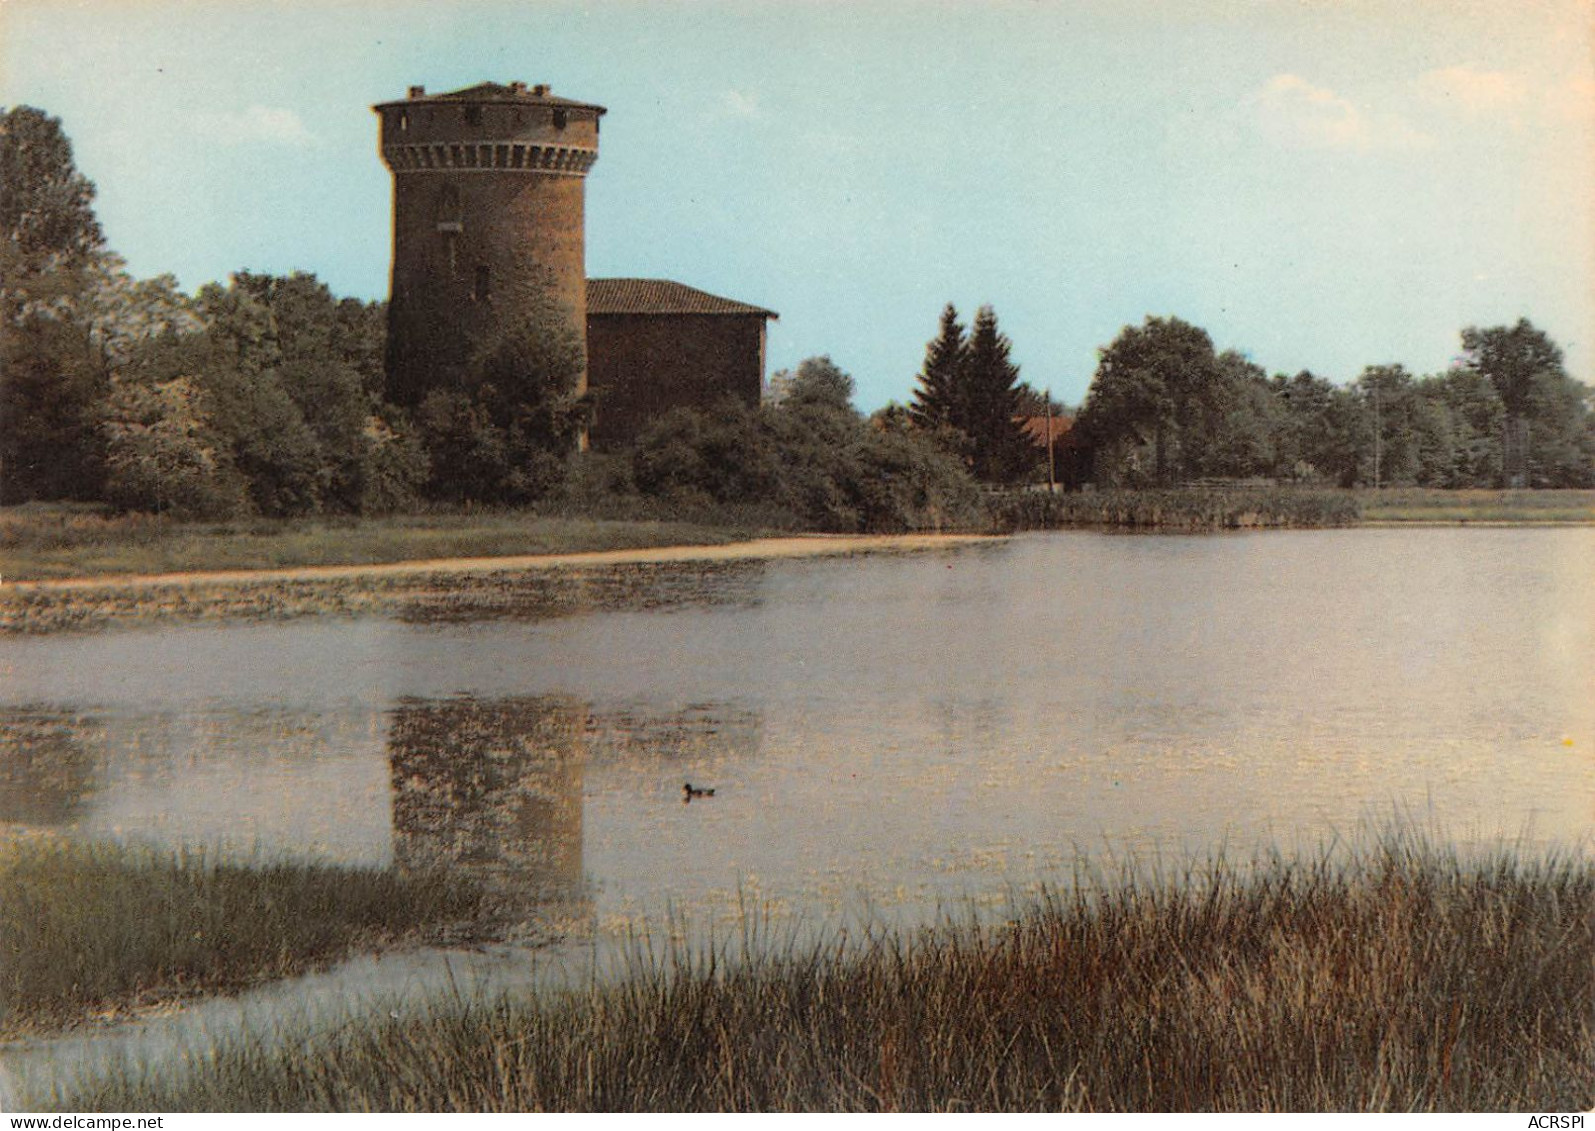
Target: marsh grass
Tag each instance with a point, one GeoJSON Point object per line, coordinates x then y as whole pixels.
{"type": "Point", "coordinates": [40, 542]}
{"type": "Point", "coordinates": [1247, 507]}
{"type": "Point", "coordinates": [1183, 509]}
{"type": "Point", "coordinates": [98, 929]}
{"type": "Point", "coordinates": [1396, 977]}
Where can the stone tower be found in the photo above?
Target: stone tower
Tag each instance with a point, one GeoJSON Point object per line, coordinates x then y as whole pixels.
{"type": "Point", "coordinates": [488, 230]}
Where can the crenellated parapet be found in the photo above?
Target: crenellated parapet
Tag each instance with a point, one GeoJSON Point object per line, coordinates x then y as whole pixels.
{"type": "Point", "coordinates": [484, 156]}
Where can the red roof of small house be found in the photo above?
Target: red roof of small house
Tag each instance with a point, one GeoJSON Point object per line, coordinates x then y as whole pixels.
{"type": "Point", "coordinates": [1035, 427]}
{"type": "Point", "coordinates": [661, 296]}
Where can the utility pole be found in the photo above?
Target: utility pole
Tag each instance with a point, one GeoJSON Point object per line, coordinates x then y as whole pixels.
{"type": "Point", "coordinates": [1052, 475]}
{"type": "Point", "coordinates": [1378, 437]}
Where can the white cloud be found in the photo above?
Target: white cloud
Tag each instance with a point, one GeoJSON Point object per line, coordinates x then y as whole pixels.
{"type": "Point", "coordinates": [1295, 112]}
{"type": "Point", "coordinates": [740, 104]}
{"type": "Point", "coordinates": [271, 125]}
{"type": "Point", "coordinates": [1472, 91]}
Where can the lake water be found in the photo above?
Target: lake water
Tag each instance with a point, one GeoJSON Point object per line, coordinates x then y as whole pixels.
{"type": "Point", "coordinates": [888, 737]}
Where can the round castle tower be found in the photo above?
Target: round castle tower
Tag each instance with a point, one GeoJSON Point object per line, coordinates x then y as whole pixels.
{"type": "Point", "coordinates": [488, 229]}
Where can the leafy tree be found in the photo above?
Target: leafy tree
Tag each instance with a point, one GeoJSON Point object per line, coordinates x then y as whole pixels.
{"type": "Point", "coordinates": [816, 379]}
{"type": "Point", "coordinates": [47, 208]}
{"type": "Point", "coordinates": [1389, 399]}
{"type": "Point", "coordinates": [1149, 383]}
{"type": "Point", "coordinates": [395, 464]}
{"type": "Point", "coordinates": [932, 406]}
{"type": "Point", "coordinates": [164, 456]}
{"type": "Point", "coordinates": [903, 481]}
{"type": "Point", "coordinates": [1476, 418]}
{"type": "Point", "coordinates": [722, 454]}
{"type": "Point", "coordinates": [328, 397]}
{"type": "Point", "coordinates": [287, 370]}
{"type": "Point", "coordinates": [51, 390]}
{"type": "Point", "coordinates": [467, 454]}
{"type": "Point", "coordinates": [815, 435]}
{"type": "Point", "coordinates": [360, 340]}
{"type": "Point", "coordinates": [1321, 430]}
{"type": "Point", "coordinates": [1238, 425]}
{"type": "Point", "coordinates": [120, 312]}
{"type": "Point", "coordinates": [307, 323]}
{"type": "Point", "coordinates": [809, 458]}
{"type": "Point", "coordinates": [1560, 445]}
{"type": "Point", "coordinates": [526, 383]}
{"type": "Point", "coordinates": [51, 381]}
{"type": "Point", "coordinates": [892, 418]}
{"type": "Point", "coordinates": [1515, 359]}
{"type": "Point", "coordinates": [505, 435]}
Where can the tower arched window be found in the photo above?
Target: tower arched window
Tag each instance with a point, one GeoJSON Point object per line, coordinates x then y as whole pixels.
{"type": "Point", "coordinates": [448, 210]}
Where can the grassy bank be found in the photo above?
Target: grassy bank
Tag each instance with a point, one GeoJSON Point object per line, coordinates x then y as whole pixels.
{"type": "Point", "coordinates": [1417, 504]}
{"type": "Point", "coordinates": [38, 542]}
{"type": "Point", "coordinates": [1402, 978]}
{"type": "Point", "coordinates": [97, 930]}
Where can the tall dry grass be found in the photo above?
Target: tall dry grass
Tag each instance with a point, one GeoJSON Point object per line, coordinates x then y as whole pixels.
{"type": "Point", "coordinates": [1399, 978]}
{"type": "Point", "coordinates": [100, 928]}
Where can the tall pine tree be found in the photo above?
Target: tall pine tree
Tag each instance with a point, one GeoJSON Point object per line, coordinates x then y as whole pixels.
{"type": "Point", "coordinates": [932, 408]}
{"type": "Point", "coordinates": [986, 403]}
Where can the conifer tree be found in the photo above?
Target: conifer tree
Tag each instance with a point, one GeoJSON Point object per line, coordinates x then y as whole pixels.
{"type": "Point", "coordinates": [932, 407]}
{"type": "Point", "coordinates": [986, 402]}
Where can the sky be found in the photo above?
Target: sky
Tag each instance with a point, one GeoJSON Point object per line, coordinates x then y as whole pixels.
{"type": "Point", "coordinates": [1320, 184]}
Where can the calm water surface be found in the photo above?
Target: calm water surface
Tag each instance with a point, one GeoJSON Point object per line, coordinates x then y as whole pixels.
{"type": "Point", "coordinates": [902, 730]}
{"type": "Point", "coordinates": [888, 736]}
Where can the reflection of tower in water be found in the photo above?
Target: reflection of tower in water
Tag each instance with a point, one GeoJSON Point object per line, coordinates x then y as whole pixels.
{"type": "Point", "coordinates": [47, 768]}
{"type": "Point", "coordinates": [494, 788]}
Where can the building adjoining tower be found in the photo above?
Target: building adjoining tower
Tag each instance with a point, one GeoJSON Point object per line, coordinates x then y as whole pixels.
{"type": "Point", "coordinates": [488, 224]}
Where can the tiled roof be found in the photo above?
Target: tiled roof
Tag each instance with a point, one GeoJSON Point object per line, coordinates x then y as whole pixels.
{"type": "Point", "coordinates": [1035, 427]}
{"type": "Point", "coordinates": [499, 92]}
{"type": "Point", "coordinates": [660, 296]}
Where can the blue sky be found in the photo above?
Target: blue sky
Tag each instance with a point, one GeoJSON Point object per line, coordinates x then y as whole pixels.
{"type": "Point", "coordinates": [1322, 185]}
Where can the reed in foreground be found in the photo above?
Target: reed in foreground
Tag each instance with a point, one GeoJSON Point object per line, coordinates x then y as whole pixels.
{"type": "Point", "coordinates": [99, 928]}
{"type": "Point", "coordinates": [1400, 978]}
